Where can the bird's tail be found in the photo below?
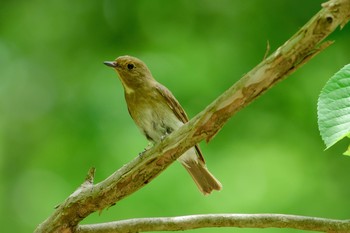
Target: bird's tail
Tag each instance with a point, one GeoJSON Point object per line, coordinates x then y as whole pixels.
{"type": "Point", "coordinates": [205, 181]}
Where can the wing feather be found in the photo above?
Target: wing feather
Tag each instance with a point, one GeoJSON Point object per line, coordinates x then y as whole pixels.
{"type": "Point", "coordinates": [180, 113]}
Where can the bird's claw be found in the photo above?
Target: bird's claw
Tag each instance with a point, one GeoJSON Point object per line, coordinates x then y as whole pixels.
{"type": "Point", "coordinates": [164, 136]}
{"type": "Point", "coordinates": [149, 146]}
{"type": "Point", "coordinates": [143, 152]}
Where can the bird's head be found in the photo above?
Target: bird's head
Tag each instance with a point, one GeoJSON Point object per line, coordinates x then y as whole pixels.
{"type": "Point", "coordinates": [132, 71]}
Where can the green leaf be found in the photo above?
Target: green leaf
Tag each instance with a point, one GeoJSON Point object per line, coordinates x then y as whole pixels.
{"type": "Point", "coordinates": [333, 108]}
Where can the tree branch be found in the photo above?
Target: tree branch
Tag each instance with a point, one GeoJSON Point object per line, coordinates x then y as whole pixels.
{"type": "Point", "coordinates": [219, 220]}
{"type": "Point", "coordinates": [305, 44]}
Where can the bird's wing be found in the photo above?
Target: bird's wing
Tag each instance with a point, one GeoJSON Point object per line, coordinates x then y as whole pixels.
{"type": "Point", "coordinates": [177, 109]}
{"type": "Point", "coordinates": [173, 104]}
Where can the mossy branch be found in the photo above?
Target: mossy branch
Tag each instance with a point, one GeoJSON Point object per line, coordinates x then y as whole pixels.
{"type": "Point", "coordinates": [295, 52]}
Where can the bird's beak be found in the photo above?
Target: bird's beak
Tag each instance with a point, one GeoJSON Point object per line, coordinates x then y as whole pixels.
{"type": "Point", "coordinates": [110, 63]}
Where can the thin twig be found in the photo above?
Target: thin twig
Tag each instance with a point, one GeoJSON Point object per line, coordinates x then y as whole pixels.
{"type": "Point", "coordinates": [219, 220]}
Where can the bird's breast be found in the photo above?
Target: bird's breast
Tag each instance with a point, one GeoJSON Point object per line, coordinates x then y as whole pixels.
{"type": "Point", "coordinates": [153, 117]}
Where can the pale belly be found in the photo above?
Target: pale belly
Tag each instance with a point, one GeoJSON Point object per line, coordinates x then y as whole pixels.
{"type": "Point", "coordinates": [155, 125]}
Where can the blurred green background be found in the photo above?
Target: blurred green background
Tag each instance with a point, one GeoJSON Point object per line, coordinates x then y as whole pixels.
{"type": "Point", "coordinates": [62, 111]}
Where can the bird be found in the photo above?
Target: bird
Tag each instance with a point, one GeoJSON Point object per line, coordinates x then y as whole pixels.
{"type": "Point", "coordinates": [157, 113]}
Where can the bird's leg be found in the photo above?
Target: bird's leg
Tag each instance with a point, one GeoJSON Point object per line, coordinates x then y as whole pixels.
{"type": "Point", "coordinates": [163, 137]}
{"type": "Point", "coordinates": [149, 146]}
{"type": "Point", "coordinates": [168, 131]}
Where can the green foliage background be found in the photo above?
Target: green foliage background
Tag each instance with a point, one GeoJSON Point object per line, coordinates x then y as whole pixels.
{"type": "Point", "coordinates": [62, 111]}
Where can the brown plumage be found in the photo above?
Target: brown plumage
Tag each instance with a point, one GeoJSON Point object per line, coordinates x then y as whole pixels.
{"type": "Point", "coordinates": [157, 113]}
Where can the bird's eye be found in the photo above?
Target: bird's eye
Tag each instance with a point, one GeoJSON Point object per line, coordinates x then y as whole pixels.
{"type": "Point", "coordinates": [131, 66]}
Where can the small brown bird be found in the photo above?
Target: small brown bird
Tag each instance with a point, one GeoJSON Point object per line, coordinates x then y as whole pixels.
{"type": "Point", "coordinates": [157, 113]}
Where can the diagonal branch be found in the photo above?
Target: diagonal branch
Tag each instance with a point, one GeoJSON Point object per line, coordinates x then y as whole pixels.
{"type": "Point", "coordinates": [219, 220]}
{"type": "Point", "coordinates": [300, 48]}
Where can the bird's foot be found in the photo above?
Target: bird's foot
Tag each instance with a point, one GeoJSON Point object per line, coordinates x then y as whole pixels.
{"type": "Point", "coordinates": [143, 152]}
{"type": "Point", "coordinates": [164, 136]}
{"type": "Point", "coordinates": [149, 146]}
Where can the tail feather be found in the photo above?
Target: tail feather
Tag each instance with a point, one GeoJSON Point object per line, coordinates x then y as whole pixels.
{"type": "Point", "coordinates": [205, 181]}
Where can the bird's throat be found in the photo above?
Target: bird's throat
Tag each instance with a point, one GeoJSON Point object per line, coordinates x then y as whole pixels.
{"type": "Point", "coordinates": [127, 89]}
